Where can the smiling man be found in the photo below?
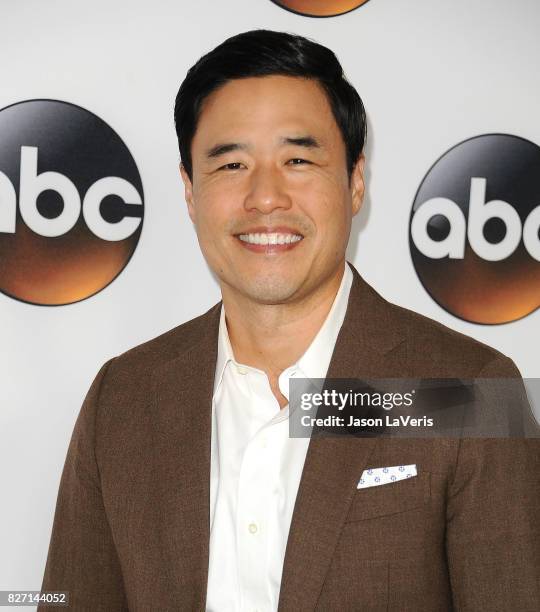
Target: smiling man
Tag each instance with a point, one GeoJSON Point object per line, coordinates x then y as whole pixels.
{"type": "Point", "coordinates": [182, 488]}
{"type": "Point", "coordinates": [272, 195]}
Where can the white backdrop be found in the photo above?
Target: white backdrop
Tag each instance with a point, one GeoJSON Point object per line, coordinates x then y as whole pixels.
{"type": "Point", "coordinates": [431, 73]}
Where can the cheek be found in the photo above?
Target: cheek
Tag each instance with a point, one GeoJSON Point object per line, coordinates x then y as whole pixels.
{"type": "Point", "coordinates": [211, 210]}
{"type": "Point", "coordinates": [327, 206]}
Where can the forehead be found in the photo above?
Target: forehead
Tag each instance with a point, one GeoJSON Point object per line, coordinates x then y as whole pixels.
{"type": "Point", "coordinates": [266, 105]}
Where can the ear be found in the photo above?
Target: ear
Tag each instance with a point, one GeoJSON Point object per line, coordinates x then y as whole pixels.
{"type": "Point", "coordinates": [188, 192]}
{"type": "Point", "coordinates": [357, 184]}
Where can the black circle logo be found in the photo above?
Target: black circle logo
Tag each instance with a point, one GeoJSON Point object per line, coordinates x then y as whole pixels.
{"type": "Point", "coordinates": [71, 203]}
{"type": "Point", "coordinates": [474, 232]}
{"type": "Point", "coordinates": [320, 8]}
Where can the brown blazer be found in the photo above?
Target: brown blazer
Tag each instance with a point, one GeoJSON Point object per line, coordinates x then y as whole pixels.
{"type": "Point", "coordinates": [131, 528]}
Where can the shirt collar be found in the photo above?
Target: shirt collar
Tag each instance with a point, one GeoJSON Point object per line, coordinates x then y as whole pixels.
{"type": "Point", "coordinates": [225, 352]}
{"type": "Point", "coordinates": [316, 359]}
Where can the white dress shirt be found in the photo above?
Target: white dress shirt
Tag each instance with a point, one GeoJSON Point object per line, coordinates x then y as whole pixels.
{"type": "Point", "coordinates": [256, 469]}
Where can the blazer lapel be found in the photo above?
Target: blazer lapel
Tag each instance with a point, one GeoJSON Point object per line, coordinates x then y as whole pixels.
{"type": "Point", "coordinates": [333, 465]}
{"type": "Point", "coordinates": [181, 438]}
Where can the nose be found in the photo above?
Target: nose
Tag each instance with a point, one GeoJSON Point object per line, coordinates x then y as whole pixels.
{"type": "Point", "coordinates": [267, 191]}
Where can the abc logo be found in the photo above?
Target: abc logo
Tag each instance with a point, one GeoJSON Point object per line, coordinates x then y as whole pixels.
{"type": "Point", "coordinates": [474, 232]}
{"type": "Point", "coordinates": [71, 205]}
{"type": "Point", "coordinates": [320, 8]}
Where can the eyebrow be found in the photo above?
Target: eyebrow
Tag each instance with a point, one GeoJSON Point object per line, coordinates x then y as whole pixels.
{"type": "Point", "coordinates": [309, 142]}
{"type": "Point", "coordinates": [223, 148]}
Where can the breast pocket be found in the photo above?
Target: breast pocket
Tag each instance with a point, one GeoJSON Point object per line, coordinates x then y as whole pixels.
{"type": "Point", "coordinates": [391, 498]}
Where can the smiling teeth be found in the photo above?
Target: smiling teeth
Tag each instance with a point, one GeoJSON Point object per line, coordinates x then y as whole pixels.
{"type": "Point", "coordinates": [270, 238]}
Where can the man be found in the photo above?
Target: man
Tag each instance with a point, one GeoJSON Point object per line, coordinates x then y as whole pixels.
{"type": "Point", "coordinates": [182, 489]}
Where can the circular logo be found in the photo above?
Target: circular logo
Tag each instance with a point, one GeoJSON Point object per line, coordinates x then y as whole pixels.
{"type": "Point", "coordinates": [71, 203]}
{"type": "Point", "coordinates": [320, 8]}
{"type": "Point", "coordinates": [474, 232]}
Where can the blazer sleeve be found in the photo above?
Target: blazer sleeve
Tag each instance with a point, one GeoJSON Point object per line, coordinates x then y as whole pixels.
{"type": "Point", "coordinates": [82, 558]}
{"type": "Point", "coordinates": [493, 519]}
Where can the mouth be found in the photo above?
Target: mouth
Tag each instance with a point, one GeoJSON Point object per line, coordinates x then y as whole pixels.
{"type": "Point", "coordinates": [269, 240]}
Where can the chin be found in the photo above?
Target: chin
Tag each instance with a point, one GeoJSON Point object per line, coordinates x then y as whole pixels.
{"type": "Point", "coordinates": [271, 290]}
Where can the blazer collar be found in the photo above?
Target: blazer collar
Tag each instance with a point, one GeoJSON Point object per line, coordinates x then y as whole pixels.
{"type": "Point", "coordinates": [181, 437]}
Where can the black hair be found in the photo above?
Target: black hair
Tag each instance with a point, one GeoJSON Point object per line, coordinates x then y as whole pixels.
{"type": "Point", "coordinates": [261, 53]}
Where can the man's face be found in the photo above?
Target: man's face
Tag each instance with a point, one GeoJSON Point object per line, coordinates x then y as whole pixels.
{"type": "Point", "coordinates": [270, 196]}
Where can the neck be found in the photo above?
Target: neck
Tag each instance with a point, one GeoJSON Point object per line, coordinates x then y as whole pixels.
{"type": "Point", "coordinates": [273, 337]}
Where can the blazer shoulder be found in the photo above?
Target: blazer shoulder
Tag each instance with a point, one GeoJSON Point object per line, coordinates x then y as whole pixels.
{"type": "Point", "coordinates": [431, 341]}
{"type": "Point", "coordinates": [149, 355]}
{"type": "Point", "coordinates": [125, 383]}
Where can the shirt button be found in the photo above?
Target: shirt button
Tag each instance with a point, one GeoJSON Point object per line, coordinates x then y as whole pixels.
{"type": "Point", "coordinates": [241, 370]}
{"type": "Point", "coordinates": [253, 528]}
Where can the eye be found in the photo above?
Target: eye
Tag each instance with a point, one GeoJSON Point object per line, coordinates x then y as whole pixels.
{"type": "Point", "coordinates": [231, 166]}
{"type": "Point", "coordinates": [298, 161]}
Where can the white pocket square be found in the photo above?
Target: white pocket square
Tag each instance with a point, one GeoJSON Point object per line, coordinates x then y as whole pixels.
{"type": "Point", "coordinates": [374, 477]}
